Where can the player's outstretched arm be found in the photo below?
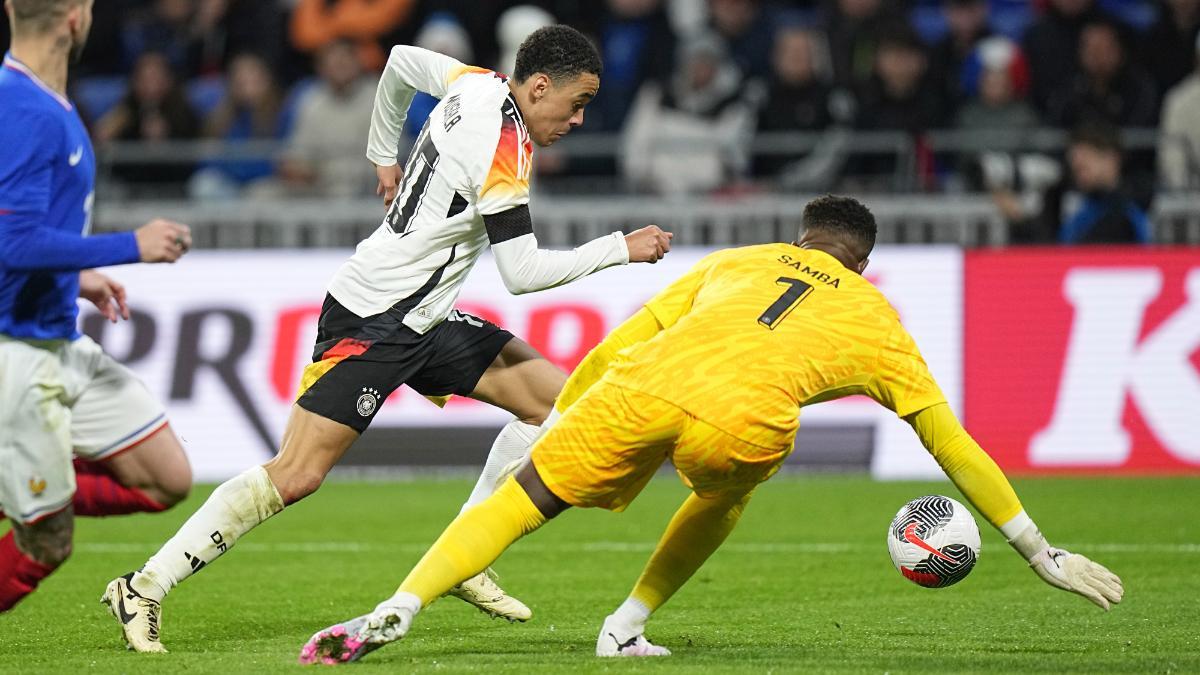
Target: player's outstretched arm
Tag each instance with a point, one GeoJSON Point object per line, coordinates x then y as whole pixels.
{"type": "Point", "coordinates": [979, 479]}
{"type": "Point", "coordinates": [1069, 571]}
{"type": "Point", "coordinates": [26, 247]}
{"type": "Point", "coordinates": [525, 268]}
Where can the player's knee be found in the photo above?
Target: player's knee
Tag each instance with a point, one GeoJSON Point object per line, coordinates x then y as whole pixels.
{"type": "Point", "coordinates": [174, 487]}
{"type": "Point", "coordinates": [540, 409]}
{"type": "Point", "coordinates": [299, 484]}
{"type": "Point", "coordinates": [546, 501]}
{"type": "Point", "coordinates": [538, 417]}
{"type": "Point", "coordinates": [47, 543]}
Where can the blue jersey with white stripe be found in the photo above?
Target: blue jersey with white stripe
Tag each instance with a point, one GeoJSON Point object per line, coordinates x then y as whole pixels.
{"type": "Point", "coordinates": [47, 177]}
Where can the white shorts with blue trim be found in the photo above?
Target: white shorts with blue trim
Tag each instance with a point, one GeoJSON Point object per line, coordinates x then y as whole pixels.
{"type": "Point", "coordinates": [60, 398]}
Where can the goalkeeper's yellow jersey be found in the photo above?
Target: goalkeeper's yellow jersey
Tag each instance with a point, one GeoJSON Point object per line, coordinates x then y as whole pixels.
{"type": "Point", "coordinates": [750, 335]}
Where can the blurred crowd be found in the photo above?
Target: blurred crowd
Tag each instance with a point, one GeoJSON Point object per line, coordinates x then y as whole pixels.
{"type": "Point", "coordinates": [699, 92]}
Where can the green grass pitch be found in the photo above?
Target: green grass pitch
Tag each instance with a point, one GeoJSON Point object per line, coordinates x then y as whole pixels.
{"type": "Point", "coordinates": [803, 585]}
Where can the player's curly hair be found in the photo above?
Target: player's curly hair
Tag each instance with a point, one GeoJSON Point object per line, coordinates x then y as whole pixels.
{"type": "Point", "coordinates": [842, 215]}
{"type": "Point", "coordinates": [559, 51]}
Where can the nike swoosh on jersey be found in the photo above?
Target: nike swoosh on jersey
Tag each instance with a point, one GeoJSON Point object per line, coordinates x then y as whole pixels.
{"type": "Point", "coordinates": [75, 156]}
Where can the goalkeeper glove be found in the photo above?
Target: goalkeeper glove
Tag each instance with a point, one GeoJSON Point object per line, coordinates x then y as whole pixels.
{"type": "Point", "coordinates": [1068, 571]}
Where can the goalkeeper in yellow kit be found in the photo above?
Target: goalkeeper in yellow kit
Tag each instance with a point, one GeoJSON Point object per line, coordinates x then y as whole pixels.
{"type": "Point", "coordinates": [711, 375]}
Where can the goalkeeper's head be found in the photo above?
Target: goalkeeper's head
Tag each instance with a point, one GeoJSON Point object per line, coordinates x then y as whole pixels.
{"type": "Point", "coordinates": [556, 75]}
{"type": "Point", "coordinates": [840, 226]}
{"type": "Point", "coordinates": [61, 24]}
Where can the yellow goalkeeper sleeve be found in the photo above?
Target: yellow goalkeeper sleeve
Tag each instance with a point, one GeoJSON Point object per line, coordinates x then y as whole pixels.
{"type": "Point", "coordinates": [638, 328]}
{"type": "Point", "coordinates": [972, 470]}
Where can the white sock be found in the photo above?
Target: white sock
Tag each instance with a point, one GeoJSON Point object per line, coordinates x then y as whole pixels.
{"type": "Point", "coordinates": [512, 443]}
{"type": "Point", "coordinates": [401, 599]}
{"type": "Point", "coordinates": [1016, 525]}
{"type": "Point", "coordinates": [237, 506]}
{"type": "Point", "coordinates": [633, 614]}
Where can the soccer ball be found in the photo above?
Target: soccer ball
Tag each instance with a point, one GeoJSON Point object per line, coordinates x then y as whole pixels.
{"type": "Point", "coordinates": [934, 541]}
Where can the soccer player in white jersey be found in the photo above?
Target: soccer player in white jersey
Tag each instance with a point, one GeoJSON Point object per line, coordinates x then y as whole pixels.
{"type": "Point", "coordinates": [79, 434]}
{"type": "Point", "coordinates": [389, 319]}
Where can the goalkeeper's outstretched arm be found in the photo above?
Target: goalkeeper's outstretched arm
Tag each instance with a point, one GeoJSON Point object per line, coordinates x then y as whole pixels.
{"type": "Point", "coordinates": [985, 486]}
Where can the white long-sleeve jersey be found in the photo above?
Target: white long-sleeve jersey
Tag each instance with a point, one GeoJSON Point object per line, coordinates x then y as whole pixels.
{"type": "Point", "coordinates": [465, 185]}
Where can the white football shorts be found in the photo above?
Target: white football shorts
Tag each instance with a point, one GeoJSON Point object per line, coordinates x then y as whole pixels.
{"type": "Point", "coordinates": [58, 398]}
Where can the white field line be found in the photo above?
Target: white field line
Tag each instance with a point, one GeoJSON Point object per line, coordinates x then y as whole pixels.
{"type": "Point", "coordinates": [598, 547]}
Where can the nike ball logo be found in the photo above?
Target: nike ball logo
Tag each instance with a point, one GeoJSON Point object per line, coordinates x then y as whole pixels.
{"type": "Point", "coordinates": [910, 535]}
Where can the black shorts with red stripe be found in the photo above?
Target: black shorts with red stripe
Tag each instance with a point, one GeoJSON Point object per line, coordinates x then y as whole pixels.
{"type": "Point", "coordinates": [374, 355]}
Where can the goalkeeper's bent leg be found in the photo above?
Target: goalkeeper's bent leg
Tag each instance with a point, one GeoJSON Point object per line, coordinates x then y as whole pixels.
{"type": "Point", "coordinates": [234, 508]}
{"type": "Point", "coordinates": [473, 541]}
{"type": "Point", "coordinates": [697, 529]}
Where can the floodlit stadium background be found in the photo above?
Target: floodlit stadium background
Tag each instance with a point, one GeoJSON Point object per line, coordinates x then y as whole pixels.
{"type": "Point", "coordinates": [716, 120]}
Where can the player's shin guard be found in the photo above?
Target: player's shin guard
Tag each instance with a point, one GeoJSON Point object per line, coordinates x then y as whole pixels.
{"type": "Point", "coordinates": [696, 530]}
{"type": "Point", "coordinates": [234, 508]}
{"type": "Point", "coordinates": [19, 574]}
{"type": "Point", "coordinates": [473, 541]}
{"type": "Point", "coordinates": [98, 493]}
{"type": "Point", "coordinates": [512, 443]}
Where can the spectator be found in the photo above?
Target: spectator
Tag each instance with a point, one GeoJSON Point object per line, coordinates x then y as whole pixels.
{"type": "Point", "coordinates": [799, 99]}
{"type": "Point", "coordinates": [1094, 205]}
{"type": "Point", "coordinates": [316, 23]}
{"type": "Point", "coordinates": [899, 94]}
{"type": "Point", "coordinates": [853, 28]}
{"type": "Point", "coordinates": [1108, 87]}
{"type": "Point", "coordinates": [323, 156]}
{"type": "Point", "coordinates": [163, 26]}
{"type": "Point", "coordinates": [231, 27]}
{"type": "Point", "coordinates": [901, 97]}
{"type": "Point", "coordinates": [691, 135]}
{"type": "Point", "coordinates": [746, 27]}
{"type": "Point", "coordinates": [1167, 49]}
{"type": "Point", "coordinates": [637, 45]}
{"type": "Point", "coordinates": [1179, 142]}
{"type": "Point", "coordinates": [997, 115]}
{"type": "Point", "coordinates": [996, 80]}
{"type": "Point", "coordinates": [1052, 45]}
{"type": "Point", "coordinates": [252, 109]}
{"type": "Point", "coordinates": [200, 36]}
{"type": "Point", "coordinates": [154, 109]}
{"type": "Point", "coordinates": [968, 24]}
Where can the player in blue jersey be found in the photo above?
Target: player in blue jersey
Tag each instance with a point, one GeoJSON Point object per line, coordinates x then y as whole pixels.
{"type": "Point", "coordinates": [79, 434]}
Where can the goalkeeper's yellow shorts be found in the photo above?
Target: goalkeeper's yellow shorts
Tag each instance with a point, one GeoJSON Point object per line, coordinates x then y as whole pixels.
{"type": "Point", "coordinates": [608, 445]}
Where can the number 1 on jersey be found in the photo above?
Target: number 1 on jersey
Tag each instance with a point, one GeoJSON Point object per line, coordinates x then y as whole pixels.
{"type": "Point", "coordinates": [796, 292]}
